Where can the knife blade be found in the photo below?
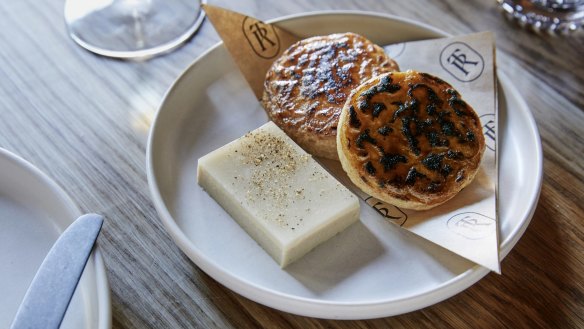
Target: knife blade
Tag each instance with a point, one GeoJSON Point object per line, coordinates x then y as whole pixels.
{"type": "Point", "coordinates": [48, 297]}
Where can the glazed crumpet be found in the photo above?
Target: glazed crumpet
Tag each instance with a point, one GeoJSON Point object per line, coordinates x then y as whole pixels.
{"type": "Point", "coordinates": [408, 138]}
{"type": "Point", "coordinates": [305, 89]}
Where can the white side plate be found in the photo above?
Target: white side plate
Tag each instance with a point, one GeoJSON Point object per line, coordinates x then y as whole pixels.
{"type": "Point", "coordinates": [34, 211]}
{"type": "Point", "coordinates": [373, 269]}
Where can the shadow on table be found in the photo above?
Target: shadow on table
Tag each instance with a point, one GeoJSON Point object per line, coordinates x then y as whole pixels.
{"type": "Point", "coordinates": [540, 282]}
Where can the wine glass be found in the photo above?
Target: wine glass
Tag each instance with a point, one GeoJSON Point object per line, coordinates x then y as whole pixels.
{"type": "Point", "coordinates": [132, 29]}
{"type": "Point", "coordinates": [555, 16]}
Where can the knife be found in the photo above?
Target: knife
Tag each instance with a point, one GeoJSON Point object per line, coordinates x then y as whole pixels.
{"type": "Point", "coordinates": [52, 288]}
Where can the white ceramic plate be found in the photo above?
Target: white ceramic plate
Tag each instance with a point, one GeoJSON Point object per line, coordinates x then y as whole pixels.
{"type": "Point", "coordinates": [34, 211]}
{"type": "Point", "coordinates": [373, 269]}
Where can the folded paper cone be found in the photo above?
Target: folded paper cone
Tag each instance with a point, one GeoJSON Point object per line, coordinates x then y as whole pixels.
{"type": "Point", "coordinates": [253, 44]}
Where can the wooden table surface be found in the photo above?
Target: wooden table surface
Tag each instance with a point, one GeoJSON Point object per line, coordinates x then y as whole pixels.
{"type": "Point", "coordinates": [83, 120]}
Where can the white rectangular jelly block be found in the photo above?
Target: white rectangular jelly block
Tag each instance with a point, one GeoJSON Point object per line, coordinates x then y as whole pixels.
{"type": "Point", "coordinates": [277, 193]}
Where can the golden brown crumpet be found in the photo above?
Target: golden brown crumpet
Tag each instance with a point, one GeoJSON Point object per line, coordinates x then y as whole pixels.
{"type": "Point", "coordinates": [306, 88]}
{"type": "Point", "coordinates": [408, 138]}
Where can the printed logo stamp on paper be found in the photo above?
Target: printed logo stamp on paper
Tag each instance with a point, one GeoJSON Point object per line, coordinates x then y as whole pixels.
{"type": "Point", "coordinates": [262, 38]}
{"type": "Point", "coordinates": [392, 213]}
{"type": "Point", "coordinates": [395, 50]}
{"type": "Point", "coordinates": [488, 121]}
{"type": "Point", "coordinates": [462, 61]}
{"type": "Point", "coordinates": [472, 225]}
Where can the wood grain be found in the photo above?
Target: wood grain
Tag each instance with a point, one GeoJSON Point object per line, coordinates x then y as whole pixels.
{"type": "Point", "coordinates": [84, 119]}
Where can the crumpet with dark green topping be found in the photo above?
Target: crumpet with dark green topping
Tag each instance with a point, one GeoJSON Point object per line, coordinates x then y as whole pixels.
{"type": "Point", "coordinates": [409, 139]}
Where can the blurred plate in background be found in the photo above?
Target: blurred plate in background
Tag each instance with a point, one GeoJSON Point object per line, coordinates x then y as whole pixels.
{"type": "Point", "coordinates": [34, 211]}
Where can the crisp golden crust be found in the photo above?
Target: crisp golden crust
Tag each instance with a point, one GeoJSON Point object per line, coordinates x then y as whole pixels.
{"type": "Point", "coordinates": [408, 138]}
{"type": "Point", "coordinates": [306, 88]}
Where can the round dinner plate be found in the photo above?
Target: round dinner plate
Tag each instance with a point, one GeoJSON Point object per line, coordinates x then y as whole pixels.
{"type": "Point", "coordinates": [34, 211]}
{"type": "Point", "coordinates": [372, 269]}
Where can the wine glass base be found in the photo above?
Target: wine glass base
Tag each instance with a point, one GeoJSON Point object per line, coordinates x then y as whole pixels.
{"type": "Point", "coordinates": [132, 29]}
{"type": "Point", "coordinates": [558, 17]}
